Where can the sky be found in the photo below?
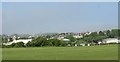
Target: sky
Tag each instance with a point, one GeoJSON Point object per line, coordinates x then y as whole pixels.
{"type": "Point", "coordinates": [47, 17]}
{"type": "Point", "coordinates": [60, 0]}
{"type": "Point", "coordinates": [0, 18]}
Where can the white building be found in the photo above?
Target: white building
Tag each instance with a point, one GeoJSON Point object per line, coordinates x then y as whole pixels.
{"type": "Point", "coordinates": [88, 33]}
{"type": "Point", "coordinates": [82, 44]}
{"type": "Point", "coordinates": [76, 45]}
{"type": "Point", "coordinates": [65, 39]}
{"type": "Point", "coordinates": [77, 36]}
{"type": "Point", "coordinates": [60, 38]}
{"type": "Point", "coordinates": [25, 41]}
{"type": "Point", "coordinates": [111, 40]}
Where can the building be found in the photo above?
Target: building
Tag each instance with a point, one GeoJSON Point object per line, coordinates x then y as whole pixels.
{"type": "Point", "coordinates": [25, 41]}
{"type": "Point", "coordinates": [82, 44]}
{"type": "Point", "coordinates": [77, 36]}
{"type": "Point", "coordinates": [110, 40]}
{"type": "Point", "coordinates": [65, 39]}
{"type": "Point", "coordinates": [15, 40]}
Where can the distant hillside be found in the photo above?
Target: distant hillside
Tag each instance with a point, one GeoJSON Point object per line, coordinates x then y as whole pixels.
{"type": "Point", "coordinates": [0, 40]}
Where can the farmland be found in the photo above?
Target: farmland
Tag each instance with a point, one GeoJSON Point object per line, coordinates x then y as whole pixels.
{"type": "Point", "coordinates": [104, 52]}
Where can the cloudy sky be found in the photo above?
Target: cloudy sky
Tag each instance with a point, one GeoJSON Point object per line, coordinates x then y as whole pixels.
{"type": "Point", "coordinates": [32, 18]}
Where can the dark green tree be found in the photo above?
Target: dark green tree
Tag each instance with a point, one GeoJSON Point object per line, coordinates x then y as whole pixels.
{"type": "Point", "coordinates": [108, 33]}
{"type": "Point", "coordinates": [71, 38]}
{"type": "Point", "coordinates": [29, 44]}
{"type": "Point", "coordinates": [114, 33]}
{"type": "Point", "coordinates": [101, 33]}
{"type": "Point", "coordinates": [18, 44]}
{"type": "Point", "coordinates": [40, 41]}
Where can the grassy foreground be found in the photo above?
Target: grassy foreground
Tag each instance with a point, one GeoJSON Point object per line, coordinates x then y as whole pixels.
{"type": "Point", "coordinates": [106, 52]}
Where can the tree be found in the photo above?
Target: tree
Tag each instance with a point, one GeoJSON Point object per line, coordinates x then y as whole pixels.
{"type": "Point", "coordinates": [4, 39]}
{"type": "Point", "coordinates": [50, 42]}
{"type": "Point", "coordinates": [89, 39]}
{"type": "Point", "coordinates": [101, 33]}
{"type": "Point", "coordinates": [114, 33]}
{"type": "Point", "coordinates": [94, 37]}
{"type": "Point", "coordinates": [13, 44]}
{"type": "Point", "coordinates": [62, 43]}
{"type": "Point", "coordinates": [108, 33]}
{"type": "Point", "coordinates": [29, 44]}
{"type": "Point", "coordinates": [10, 39]}
{"type": "Point", "coordinates": [118, 33]}
{"type": "Point", "coordinates": [45, 43]}
{"type": "Point", "coordinates": [19, 44]}
{"type": "Point", "coordinates": [94, 34]}
{"type": "Point", "coordinates": [71, 38]}
{"type": "Point", "coordinates": [40, 41]}
{"type": "Point", "coordinates": [48, 36]}
{"type": "Point", "coordinates": [56, 42]}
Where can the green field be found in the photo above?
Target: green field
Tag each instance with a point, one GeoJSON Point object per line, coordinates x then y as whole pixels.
{"type": "Point", "coordinates": [106, 52]}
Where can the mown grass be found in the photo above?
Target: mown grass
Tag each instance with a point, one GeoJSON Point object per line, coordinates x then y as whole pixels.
{"type": "Point", "coordinates": [105, 52]}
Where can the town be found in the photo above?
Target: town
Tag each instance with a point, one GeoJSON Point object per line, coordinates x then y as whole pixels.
{"type": "Point", "coordinates": [62, 39]}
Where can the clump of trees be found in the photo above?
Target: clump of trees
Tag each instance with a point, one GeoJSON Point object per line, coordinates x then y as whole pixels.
{"type": "Point", "coordinates": [40, 41]}
{"type": "Point", "coordinates": [99, 36]}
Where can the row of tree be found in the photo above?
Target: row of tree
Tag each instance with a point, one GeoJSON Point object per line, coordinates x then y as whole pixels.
{"type": "Point", "coordinates": [94, 37]}
{"type": "Point", "coordinates": [99, 36]}
{"type": "Point", "coordinates": [39, 42]}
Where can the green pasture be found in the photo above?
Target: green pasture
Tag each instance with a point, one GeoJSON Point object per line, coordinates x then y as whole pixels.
{"type": "Point", "coordinates": [104, 52]}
